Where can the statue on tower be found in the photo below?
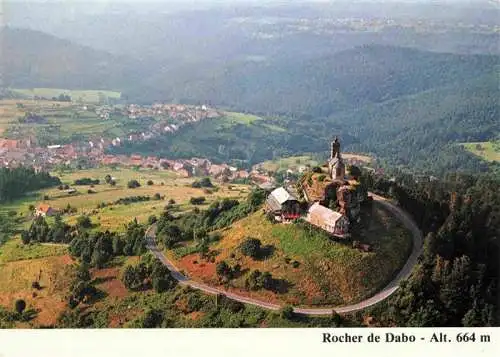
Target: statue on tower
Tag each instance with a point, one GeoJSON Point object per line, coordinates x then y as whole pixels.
{"type": "Point", "coordinates": [336, 165]}
{"type": "Point", "coordinates": [335, 148]}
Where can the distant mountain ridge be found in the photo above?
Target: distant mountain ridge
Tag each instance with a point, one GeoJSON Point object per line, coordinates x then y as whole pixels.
{"type": "Point", "coordinates": [35, 59]}
{"type": "Point", "coordinates": [321, 86]}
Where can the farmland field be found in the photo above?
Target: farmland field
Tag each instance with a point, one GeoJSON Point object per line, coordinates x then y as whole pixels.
{"type": "Point", "coordinates": [241, 117]}
{"type": "Point", "coordinates": [85, 96]}
{"type": "Point", "coordinates": [292, 162]}
{"type": "Point", "coordinates": [63, 122]}
{"type": "Point", "coordinates": [166, 183]}
{"type": "Point", "coordinates": [8, 113]}
{"type": "Point", "coordinates": [318, 270]}
{"type": "Point", "coordinates": [487, 150]}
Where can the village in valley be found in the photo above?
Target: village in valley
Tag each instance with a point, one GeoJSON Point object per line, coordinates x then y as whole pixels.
{"type": "Point", "coordinates": [163, 119]}
{"type": "Point", "coordinates": [22, 144]}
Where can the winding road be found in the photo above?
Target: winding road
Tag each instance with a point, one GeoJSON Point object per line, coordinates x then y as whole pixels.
{"type": "Point", "coordinates": [381, 295]}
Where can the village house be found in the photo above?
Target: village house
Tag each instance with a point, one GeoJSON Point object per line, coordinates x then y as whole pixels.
{"type": "Point", "coordinates": [44, 210]}
{"type": "Point", "coordinates": [282, 205]}
{"type": "Point", "coordinates": [135, 160]}
{"type": "Point", "coordinates": [241, 174]}
{"type": "Point", "coordinates": [218, 170]}
{"type": "Point", "coordinates": [328, 220]}
{"type": "Point", "coordinates": [109, 160]}
{"type": "Point", "coordinates": [8, 144]}
{"type": "Point", "coordinates": [184, 173]}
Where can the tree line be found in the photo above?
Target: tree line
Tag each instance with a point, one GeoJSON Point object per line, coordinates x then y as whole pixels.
{"type": "Point", "coordinates": [16, 182]}
{"type": "Point", "coordinates": [455, 282]}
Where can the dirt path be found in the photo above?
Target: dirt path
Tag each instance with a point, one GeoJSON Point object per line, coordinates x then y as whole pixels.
{"type": "Point", "coordinates": [381, 295]}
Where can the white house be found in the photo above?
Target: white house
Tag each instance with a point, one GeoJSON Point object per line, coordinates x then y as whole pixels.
{"type": "Point", "coordinates": [331, 221]}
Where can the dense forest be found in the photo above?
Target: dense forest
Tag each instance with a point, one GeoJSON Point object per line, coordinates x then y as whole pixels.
{"type": "Point", "coordinates": [323, 85]}
{"type": "Point", "coordinates": [17, 182]}
{"type": "Point", "coordinates": [456, 280]}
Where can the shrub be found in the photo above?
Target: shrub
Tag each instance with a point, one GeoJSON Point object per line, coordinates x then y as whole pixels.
{"type": "Point", "coordinates": [321, 178]}
{"type": "Point", "coordinates": [204, 182]}
{"type": "Point", "coordinates": [295, 264]}
{"type": "Point", "coordinates": [251, 247]}
{"type": "Point", "coordinates": [317, 170]}
{"type": "Point", "coordinates": [287, 312]}
{"type": "Point", "coordinates": [152, 318]}
{"type": "Point", "coordinates": [86, 181]}
{"type": "Point", "coordinates": [150, 183]}
{"type": "Point", "coordinates": [223, 270]}
{"type": "Point", "coordinates": [83, 273]}
{"type": "Point", "coordinates": [194, 303]}
{"type": "Point", "coordinates": [130, 278]}
{"type": "Point", "coordinates": [197, 200]}
{"type": "Point", "coordinates": [336, 319]}
{"type": "Point", "coordinates": [157, 196]}
{"type": "Point", "coordinates": [161, 277]}
{"type": "Point", "coordinates": [36, 285]}
{"type": "Point", "coordinates": [83, 222]}
{"type": "Point", "coordinates": [20, 306]}
{"type": "Point", "coordinates": [133, 184]}
{"type": "Point", "coordinates": [131, 199]}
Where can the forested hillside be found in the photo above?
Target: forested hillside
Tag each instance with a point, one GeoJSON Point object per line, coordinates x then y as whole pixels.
{"type": "Point", "coordinates": [406, 131]}
{"type": "Point", "coordinates": [319, 86]}
{"type": "Point", "coordinates": [456, 280]}
{"type": "Point", "coordinates": [423, 131]}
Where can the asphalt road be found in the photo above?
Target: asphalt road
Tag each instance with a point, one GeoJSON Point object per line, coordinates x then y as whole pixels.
{"type": "Point", "coordinates": [381, 295]}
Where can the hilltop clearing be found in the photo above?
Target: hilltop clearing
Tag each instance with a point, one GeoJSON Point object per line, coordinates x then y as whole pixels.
{"type": "Point", "coordinates": [307, 266]}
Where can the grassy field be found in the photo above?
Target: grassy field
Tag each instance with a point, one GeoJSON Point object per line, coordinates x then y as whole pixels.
{"type": "Point", "coordinates": [15, 250]}
{"type": "Point", "coordinates": [487, 150]}
{"type": "Point", "coordinates": [241, 118]}
{"type": "Point", "coordinates": [85, 96]}
{"type": "Point", "coordinates": [328, 272]}
{"type": "Point", "coordinates": [21, 265]}
{"type": "Point", "coordinates": [352, 156]}
{"type": "Point", "coordinates": [292, 162]}
{"type": "Point", "coordinates": [166, 183]}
